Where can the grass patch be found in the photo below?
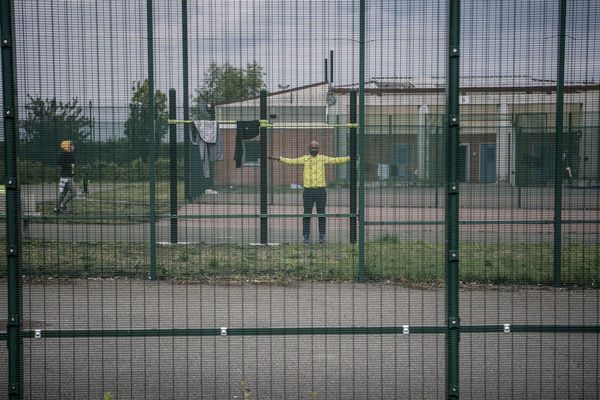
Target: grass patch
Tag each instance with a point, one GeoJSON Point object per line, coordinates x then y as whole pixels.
{"type": "Point", "coordinates": [387, 261]}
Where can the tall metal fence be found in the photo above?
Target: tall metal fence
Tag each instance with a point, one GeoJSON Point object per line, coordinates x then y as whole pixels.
{"type": "Point", "coordinates": [171, 233]}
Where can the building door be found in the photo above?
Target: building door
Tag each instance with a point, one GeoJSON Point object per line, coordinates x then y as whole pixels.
{"type": "Point", "coordinates": [542, 165]}
{"type": "Point", "coordinates": [463, 163]}
{"type": "Point", "coordinates": [487, 163]}
{"type": "Point", "coordinates": [402, 161]}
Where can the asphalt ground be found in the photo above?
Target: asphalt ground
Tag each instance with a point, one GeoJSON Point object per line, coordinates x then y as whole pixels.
{"type": "Point", "coordinates": [378, 366]}
{"type": "Point", "coordinates": [386, 366]}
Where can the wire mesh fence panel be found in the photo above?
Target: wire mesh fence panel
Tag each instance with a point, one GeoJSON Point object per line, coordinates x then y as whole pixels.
{"type": "Point", "coordinates": [296, 199]}
{"type": "Point", "coordinates": [527, 240]}
{"type": "Point", "coordinates": [529, 365]}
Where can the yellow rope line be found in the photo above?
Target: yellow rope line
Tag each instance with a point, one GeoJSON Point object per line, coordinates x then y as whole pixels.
{"type": "Point", "coordinates": [187, 121]}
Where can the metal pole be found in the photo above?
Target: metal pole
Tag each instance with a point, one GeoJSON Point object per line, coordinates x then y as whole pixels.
{"type": "Point", "coordinates": [173, 164]}
{"type": "Point", "coordinates": [558, 145]}
{"type": "Point", "coordinates": [361, 148]}
{"type": "Point", "coordinates": [330, 66]}
{"type": "Point", "coordinates": [14, 341]}
{"type": "Point", "coordinates": [186, 102]}
{"type": "Point", "coordinates": [152, 141]}
{"type": "Point", "coordinates": [452, 202]}
{"type": "Point", "coordinates": [272, 117]}
{"type": "Point", "coordinates": [569, 145]}
{"type": "Point", "coordinates": [86, 172]}
{"type": "Point", "coordinates": [437, 165]}
{"type": "Point", "coordinates": [264, 187]}
{"type": "Point", "coordinates": [353, 163]}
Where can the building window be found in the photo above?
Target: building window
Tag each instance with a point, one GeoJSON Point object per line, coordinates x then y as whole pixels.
{"type": "Point", "coordinates": [251, 152]}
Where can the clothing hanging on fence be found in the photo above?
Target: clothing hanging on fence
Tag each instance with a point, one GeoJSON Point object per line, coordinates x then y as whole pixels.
{"type": "Point", "coordinates": [246, 130]}
{"type": "Point", "coordinates": [205, 135]}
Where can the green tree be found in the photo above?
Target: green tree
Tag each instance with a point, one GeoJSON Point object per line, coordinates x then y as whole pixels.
{"type": "Point", "coordinates": [137, 127]}
{"type": "Point", "coordinates": [223, 83]}
{"type": "Point", "coordinates": [50, 121]}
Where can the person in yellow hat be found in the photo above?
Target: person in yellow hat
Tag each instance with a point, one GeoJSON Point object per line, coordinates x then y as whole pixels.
{"type": "Point", "coordinates": [314, 185]}
{"type": "Point", "coordinates": [66, 185]}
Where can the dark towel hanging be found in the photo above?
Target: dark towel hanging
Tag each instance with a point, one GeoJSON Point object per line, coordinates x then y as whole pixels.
{"type": "Point", "coordinates": [246, 130]}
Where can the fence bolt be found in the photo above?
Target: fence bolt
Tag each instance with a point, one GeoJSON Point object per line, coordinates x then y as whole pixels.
{"type": "Point", "coordinates": [453, 255]}
{"type": "Point", "coordinates": [13, 321]}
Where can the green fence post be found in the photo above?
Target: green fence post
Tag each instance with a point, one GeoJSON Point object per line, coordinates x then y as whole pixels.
{"type": "Point", "coordinates": [452, 202]}
{"type": "Point", "coordinates": [187, 180]}
{"type": "Point", "coordinates": [353, 162]}
{"type": "Point", "coordinates": [195, 183]}
{"type": "Point", "coordinates": [436, 165]}
{"type": "Point", "coordinates": [558, 145]}
{"type": "Point", "coordinates": [152, 141]}
{"type": "Point", "coordinates": [173, 164]}
{"type": "Point", "coordinates": [361, 146]}
{"type": "Point", "coordinates": [264, 185]}
{"type": "Point", "coordinates": [13, 206]}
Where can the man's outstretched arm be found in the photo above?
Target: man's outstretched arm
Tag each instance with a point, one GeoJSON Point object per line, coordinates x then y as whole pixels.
{"type": "Point", "coordinates": [285, 160]}
{"type": "Point", "coordinates": [337, 160]}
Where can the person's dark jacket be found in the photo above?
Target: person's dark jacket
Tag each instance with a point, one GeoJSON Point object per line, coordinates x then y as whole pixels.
{"type": "Point", "coordinates": [65, 162]}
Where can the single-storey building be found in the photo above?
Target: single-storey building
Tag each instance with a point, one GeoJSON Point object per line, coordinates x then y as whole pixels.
{"type": "Point", "coordinates": [507, 130]}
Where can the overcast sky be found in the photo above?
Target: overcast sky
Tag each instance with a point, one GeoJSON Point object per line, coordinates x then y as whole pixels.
{"type": "Point", "coordinates": [94, 50]}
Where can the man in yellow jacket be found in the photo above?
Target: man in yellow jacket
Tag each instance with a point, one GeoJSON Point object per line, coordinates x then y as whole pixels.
{"type": "Point", "coordinates": [314, 185]}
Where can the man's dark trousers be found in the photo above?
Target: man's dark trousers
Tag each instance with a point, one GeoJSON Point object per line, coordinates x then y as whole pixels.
{"type": "Point", "coordinates": [313, 196]}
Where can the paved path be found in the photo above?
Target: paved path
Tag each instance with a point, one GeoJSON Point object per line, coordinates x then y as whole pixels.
{"type": "Point", "coordinates": [496, 365]}
{"type": "Point", "coordinates": [408, 224]}
{"type": "Point", "coordinates": [413, 207]}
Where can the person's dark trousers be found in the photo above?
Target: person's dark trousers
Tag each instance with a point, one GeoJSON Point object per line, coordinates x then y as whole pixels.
{"type": "Point", "coordinates": [316, 196]}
